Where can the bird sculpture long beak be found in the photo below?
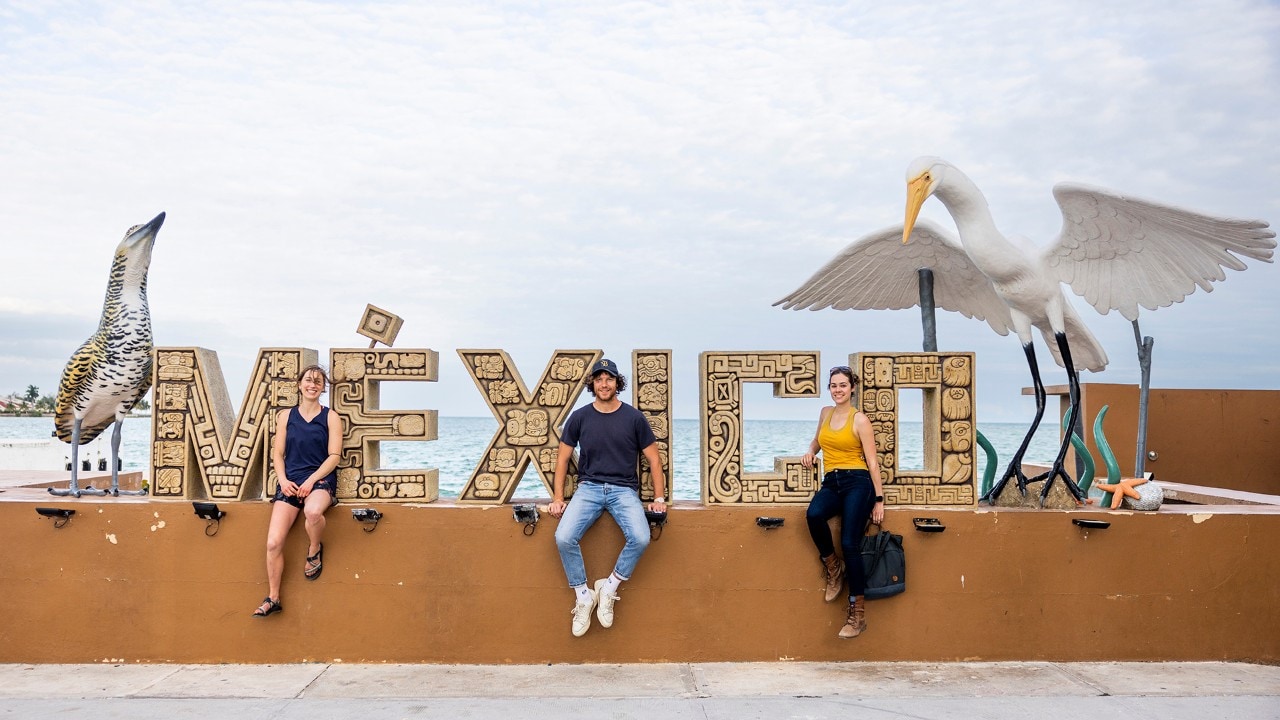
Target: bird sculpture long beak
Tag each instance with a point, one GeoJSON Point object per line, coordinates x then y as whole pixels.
{"type": "Point", "coordinates": [142, 233]}
{"type": "Point", "coordinates": [155, 224]}
{"type": "Point", "coordinates": [917, 193]}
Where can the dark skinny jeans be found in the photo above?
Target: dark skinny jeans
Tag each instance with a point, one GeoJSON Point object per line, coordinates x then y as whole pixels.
{"type": "Point", "coordinates": [851, 495]}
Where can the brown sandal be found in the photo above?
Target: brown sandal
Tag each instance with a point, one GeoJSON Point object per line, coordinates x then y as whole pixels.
{"type": "Point", "coordinates": [315, 564]}
{"type": "Point", "coordinates": [267, 607]}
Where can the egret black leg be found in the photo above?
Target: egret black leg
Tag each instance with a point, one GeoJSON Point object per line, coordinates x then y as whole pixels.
{"type": "Point", "coordinates": [1015, 465]}
{"type": "Point", "coordinates": [1057, 471]}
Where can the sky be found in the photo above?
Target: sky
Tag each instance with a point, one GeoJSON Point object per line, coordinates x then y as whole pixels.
{"type": "Point", "coordinates": [533, 176]}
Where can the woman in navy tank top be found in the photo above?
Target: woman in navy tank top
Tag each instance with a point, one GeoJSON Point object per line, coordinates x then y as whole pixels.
{"type": "Point", "coordinates": [305, 455]}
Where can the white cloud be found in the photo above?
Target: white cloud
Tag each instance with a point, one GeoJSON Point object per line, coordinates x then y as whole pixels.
{"type": "Point", "coordinates": [613, 175]}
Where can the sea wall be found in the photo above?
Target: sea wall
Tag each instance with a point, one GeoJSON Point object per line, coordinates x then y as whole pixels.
{"type": "Point", "coordinates": [1223, 438]}
{"type": "Point", "coordinates": [139, 581]}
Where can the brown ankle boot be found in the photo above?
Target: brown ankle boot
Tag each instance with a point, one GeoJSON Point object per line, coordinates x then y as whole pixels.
{"type": "Point", "coordinates": [835, 576]}
{"type": "Point", "coordinates": [857, 620]}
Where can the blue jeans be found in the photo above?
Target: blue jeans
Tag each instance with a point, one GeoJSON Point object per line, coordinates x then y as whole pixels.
{"type": "Point", "coordinates": [851, 495]}
{"type": "Point", "coordinates": [588, 501]}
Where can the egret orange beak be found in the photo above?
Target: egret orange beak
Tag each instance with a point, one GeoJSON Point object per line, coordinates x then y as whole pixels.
{"type": "Point", "coordinates": [917, 193]}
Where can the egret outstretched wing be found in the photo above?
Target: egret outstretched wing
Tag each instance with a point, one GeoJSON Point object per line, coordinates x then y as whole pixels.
{"type": "Point", "coordinates": [878, 272]}
{"type": "Point", "coordinates": [1119, 252]}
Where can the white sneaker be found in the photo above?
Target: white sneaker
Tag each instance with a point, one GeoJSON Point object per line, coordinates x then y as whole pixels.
{"type": "Point", "coordinates": [607, 599]}
{"type": "Point", "coordinates": [582, 615]}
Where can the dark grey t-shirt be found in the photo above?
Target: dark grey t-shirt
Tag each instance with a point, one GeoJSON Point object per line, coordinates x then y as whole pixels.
{"type": "Point", "coordinates": [609, 444]}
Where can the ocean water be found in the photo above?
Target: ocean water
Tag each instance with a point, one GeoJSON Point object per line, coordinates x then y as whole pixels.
{"type": "Point", "coordinates": [462, 441]}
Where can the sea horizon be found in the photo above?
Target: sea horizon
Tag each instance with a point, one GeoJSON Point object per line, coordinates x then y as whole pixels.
{"type": "Point", "coordinates": [462, 439]}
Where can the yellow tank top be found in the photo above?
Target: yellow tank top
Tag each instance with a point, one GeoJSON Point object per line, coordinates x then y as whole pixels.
{"type": "Point", "coordinates": [841, 449]}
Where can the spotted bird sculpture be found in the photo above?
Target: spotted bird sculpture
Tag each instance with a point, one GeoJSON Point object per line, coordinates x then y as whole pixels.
{"type": "Point", "coordinates": [111, 371]}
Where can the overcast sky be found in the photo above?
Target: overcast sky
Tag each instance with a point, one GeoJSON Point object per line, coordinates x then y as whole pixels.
{"type": "Point", "coordinates": [621, 176]}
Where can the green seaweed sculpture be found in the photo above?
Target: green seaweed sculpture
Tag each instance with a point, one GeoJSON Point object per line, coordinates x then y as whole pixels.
{"type": "Point", "coordinates": [988, 473]}
{"type": "Point", "coordinates": [1086, 459]}
{"type": "Point", "coordinates": [1108, 457]}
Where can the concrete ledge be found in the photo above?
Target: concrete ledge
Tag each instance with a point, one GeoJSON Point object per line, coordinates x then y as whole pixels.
{"type": "Point", "coordinates": [41, 479]}
{"type": "Point", "coordinates": [1200, 495]}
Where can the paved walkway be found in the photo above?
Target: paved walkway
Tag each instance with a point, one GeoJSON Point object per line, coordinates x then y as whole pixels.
{"type": "Point", "coordinates": [866, 691]}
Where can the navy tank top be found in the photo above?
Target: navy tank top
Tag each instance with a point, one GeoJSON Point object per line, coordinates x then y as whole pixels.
{"type": "Point", "coordinates": [306, 445]}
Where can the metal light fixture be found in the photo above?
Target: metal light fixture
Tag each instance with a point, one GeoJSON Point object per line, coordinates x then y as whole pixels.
{"type": "Point", "coordinates": [209, 511]}
{"type": "Point", "coordinates": [1090, 523]}
{"type": "Point", "coordinates": [770, 523]}
{"type": "Point", "coordinates": [526, 513]}
{"type": "Point", "coordinates": [657, 520]}
{"type": "Point", "coordinates": [367, 517]}
{"type": "Point", "coordinates": [61, 516]}
{"type": "Point", "coordinates": [928, 525]}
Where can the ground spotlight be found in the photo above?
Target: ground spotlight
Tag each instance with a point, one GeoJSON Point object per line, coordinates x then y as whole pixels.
{"type": "Point", "coordinates": [61, 516]}
{"type": "Point", "coordinates": [209, 511]}
{"type": "Point", "coordinates": [526, 513]}
{"type": "Point", "coordinates": [929, 525]}
{"type": "Point", "coordinates": [657, 521]}
{"type": "Point", "coordinates": [367, 517]}
{"type": "Point", "coordinates": [1091, 524]}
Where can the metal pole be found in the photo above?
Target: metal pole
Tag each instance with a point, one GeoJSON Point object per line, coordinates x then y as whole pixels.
{"type": "Point", "coordinates": [1144, 391]}
{"type": "Point", "coordinates": [926, 310]}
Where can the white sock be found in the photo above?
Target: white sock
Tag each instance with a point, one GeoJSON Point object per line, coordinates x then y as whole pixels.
{"type": "Point", "coordinates": [611, 584]}
{"type": "Point", "coordinates": [584, 595]}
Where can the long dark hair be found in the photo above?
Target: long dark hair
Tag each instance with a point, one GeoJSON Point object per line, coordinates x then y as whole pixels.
{"type": "Point", "coordinates": [846, 371]}
{"type": "Point", "coordinates": [324, 376]}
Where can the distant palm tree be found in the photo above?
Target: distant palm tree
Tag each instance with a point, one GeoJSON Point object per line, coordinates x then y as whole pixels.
{"type": "Point", "coordinates": [33, 394]}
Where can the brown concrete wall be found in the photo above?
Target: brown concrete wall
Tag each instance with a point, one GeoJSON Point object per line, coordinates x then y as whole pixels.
{"type": "Point", "coordinates": [138, 581]}
{"type": "Point", "coordinates": [1223, 438]}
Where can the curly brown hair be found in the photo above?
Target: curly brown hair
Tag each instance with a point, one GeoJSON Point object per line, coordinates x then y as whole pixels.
{"type": "Point", "coordinates": [590, 380]}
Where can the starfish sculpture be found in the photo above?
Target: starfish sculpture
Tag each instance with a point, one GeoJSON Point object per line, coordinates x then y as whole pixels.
{"type": "Point", "coordinates": [1122, 489]}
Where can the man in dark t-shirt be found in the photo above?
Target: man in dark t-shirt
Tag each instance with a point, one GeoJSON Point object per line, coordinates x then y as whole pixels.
{"type": "Point", "coordinates": [610, 436]}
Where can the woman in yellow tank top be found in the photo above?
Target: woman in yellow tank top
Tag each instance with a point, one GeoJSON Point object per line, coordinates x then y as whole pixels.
{"type": "Point", "coordinates": [851, 489]}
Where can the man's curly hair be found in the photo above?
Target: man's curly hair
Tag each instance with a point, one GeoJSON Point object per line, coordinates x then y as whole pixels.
{"type": "Point", "coordinates": [590, 379]}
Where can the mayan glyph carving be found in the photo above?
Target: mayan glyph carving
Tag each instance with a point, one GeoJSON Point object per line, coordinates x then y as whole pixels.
{"type": "Point", "coordinates": [946, 384]}
{"type": "Point", "coordinates": [721, 374]}
{"type": "Point", "coordinates": [790, 482]}
{"type": "Point", "coordinates": [651, 388]}
{"type": "Point", "coordinates": [200, 449]}
{"type": "Point", "coordinates": [379, 325]}
{"type": "Point", "coordinates": [356, 375]}
{"type": "Point", "coordinates": [528, 422]}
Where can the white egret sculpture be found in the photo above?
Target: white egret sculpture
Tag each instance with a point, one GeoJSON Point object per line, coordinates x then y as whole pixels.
{"type": "Point", "coordinates": [1118, 252]}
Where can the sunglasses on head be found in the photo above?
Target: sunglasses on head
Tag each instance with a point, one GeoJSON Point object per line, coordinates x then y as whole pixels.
{"type": "Point", "coordinates": [841, 369]}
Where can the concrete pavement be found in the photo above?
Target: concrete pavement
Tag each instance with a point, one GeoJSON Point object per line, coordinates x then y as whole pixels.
{"type": "Point", "coordinates": [1043, 691]}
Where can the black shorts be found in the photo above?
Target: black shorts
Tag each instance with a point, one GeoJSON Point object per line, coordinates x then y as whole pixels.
{"type": "Point", "coordinates": [329, 485]}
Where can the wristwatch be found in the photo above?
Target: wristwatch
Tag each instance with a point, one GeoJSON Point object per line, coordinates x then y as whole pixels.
{"type": "Point", "coordinates": [660, 499]}
{"type": "Point", "coordinates": [879, 498]}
